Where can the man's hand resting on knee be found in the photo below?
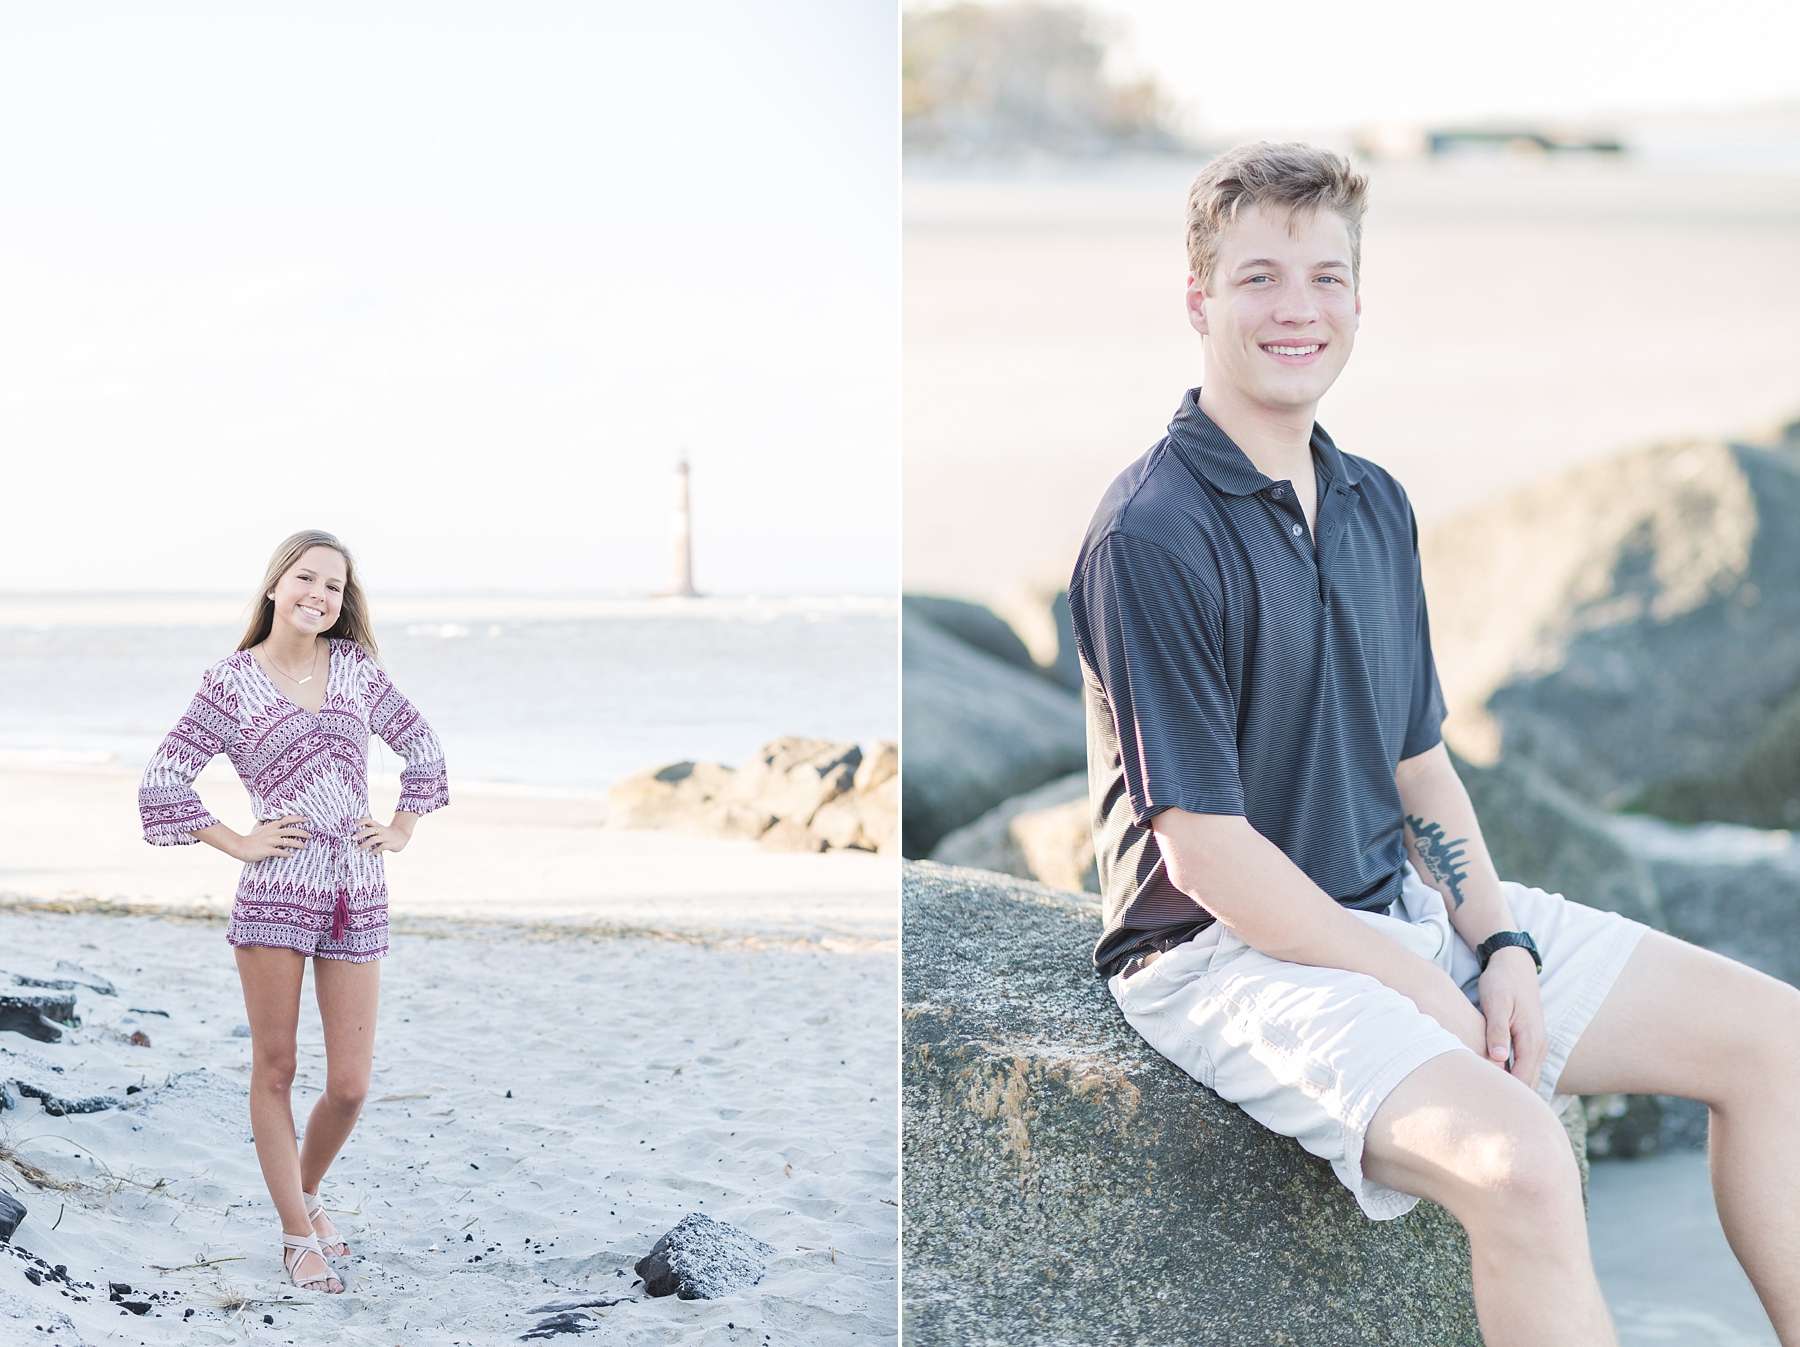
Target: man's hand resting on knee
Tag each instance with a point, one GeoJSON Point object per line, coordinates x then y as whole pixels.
{"type": "Point", "coordinates": [1269, 903]}
{"type": "Point", "coordinates": [1513, 1014]}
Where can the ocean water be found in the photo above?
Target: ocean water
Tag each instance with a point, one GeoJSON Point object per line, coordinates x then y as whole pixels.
{"type": "Point", "coordinates": [554, 695]}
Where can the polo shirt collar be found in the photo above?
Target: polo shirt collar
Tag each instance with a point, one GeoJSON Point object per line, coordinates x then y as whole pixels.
{"type": "Point", "coordinates": [1212, 454]}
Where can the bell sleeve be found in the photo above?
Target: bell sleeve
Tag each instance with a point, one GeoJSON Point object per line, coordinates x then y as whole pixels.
{"type": "Point", "coordinates": [425, 780]}
{"type": "Point", "coordinates": [168, 804]}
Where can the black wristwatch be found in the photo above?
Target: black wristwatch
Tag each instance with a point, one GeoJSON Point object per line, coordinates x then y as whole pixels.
{"type": "Point", "coordinates": [1500, 940]}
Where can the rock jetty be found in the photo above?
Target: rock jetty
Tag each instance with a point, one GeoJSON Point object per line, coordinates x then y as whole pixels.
{"type": "Point", "coordinates": [795, 794]}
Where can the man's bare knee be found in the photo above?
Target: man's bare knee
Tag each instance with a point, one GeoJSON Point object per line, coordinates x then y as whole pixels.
{"type": "Point", "coordinates": [1520, 1186]}
{"type": "Point", "coordinates": [1478, 1142]}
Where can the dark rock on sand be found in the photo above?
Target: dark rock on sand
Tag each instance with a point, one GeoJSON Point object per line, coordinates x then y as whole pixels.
{"type": "Point", "coordinates": [58, 1107]}
{"type": "Point", "coordinates": [81, 978]}
{"type": "Point", "coordinates": [703, 1259]}
{"type": "Point", "coordinates": [564, 1306]}
{"type": "Point", "coordinates": [978, 731]}
{"type": "Point", "coordinates": [568, 1321]}
{"type": "Point", "coordinates": [37, 1014]}
{"type": "Point", "coordinates": [1064, 1184]}
{"type": "Point", "coordinates": [1068, 1185]}
{"type": "Point", "coordinates": [876, 791]}
{"type": "Point", "coordinates": [792, 777]}
{"type": "Point", "coordinates": [12, 1211]}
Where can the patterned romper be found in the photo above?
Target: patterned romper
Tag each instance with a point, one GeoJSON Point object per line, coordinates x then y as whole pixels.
{"type": "Point", "coordinates": [329, 899]}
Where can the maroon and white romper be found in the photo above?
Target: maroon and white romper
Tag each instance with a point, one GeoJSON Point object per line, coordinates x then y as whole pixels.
{"type": "Point", "coordinates": [330, 899]}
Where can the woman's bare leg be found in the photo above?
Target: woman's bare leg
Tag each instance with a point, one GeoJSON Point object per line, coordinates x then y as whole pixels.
{"type": "Point", "coordinates": [272, 979]}
{"type": "Point", "coordinates": [349, 995]}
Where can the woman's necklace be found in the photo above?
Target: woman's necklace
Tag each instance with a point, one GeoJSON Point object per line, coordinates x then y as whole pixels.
{"type": "Point", "coordinates": [297, 682]}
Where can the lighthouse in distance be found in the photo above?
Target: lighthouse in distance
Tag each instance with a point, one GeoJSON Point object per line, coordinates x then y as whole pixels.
{"type": "Point", "coordinates": [681, 540]}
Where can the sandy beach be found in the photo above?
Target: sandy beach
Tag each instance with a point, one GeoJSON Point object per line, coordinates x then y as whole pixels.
{"type": "Point", "coordinates": [585, 1035]}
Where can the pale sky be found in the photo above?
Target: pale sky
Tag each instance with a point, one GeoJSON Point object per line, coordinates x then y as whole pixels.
{"type": "Point", "coordinates": [456, 281]}
{"type": "Point", "coordinates": [1304, 64]}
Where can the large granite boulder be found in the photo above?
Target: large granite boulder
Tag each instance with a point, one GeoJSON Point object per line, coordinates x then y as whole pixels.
{"type": "Point", "coordinates": [1063, 1184]}
{"type": "Point", "coordinates": [978, 731]}
{"type": "Point", "coordinates": [1632, 628]}
{"type": "Point", "coordinates": [1045, 834]}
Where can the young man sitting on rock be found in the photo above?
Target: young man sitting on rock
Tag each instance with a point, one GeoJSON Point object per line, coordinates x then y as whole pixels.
{"type": "Point", "coordinates": [1300, 910]}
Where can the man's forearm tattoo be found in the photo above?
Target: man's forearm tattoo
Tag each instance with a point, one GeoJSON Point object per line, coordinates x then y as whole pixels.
{"type": "Point", "coordinates": [1443, 859]}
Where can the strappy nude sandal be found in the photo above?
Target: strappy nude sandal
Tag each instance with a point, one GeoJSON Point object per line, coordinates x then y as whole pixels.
{"type": "Point", "coordinates": [293, 1254]}
{"type": "Point", "coordinates": [329, 1240]}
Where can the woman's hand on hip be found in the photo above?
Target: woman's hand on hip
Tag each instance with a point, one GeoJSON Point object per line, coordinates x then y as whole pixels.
{"type": "Point", "coordinates": [374, 838]}
{"type": "Point", "coordinates": [273, 837]}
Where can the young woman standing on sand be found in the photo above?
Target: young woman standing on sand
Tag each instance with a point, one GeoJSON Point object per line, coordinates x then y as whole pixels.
{"type": "Point", "coordinates": [293, 709]}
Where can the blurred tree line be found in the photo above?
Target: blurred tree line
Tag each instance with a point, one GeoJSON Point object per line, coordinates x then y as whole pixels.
{"type": "Point", "coordinates": [1017, 79]}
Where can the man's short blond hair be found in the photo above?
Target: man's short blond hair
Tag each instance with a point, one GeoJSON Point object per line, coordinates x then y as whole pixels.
{"type": "Point", "coordinates": [1295, 177]}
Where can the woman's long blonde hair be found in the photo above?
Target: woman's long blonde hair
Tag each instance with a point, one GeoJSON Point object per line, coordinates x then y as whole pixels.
{"type": "Point", "coordinates": [353, 614]}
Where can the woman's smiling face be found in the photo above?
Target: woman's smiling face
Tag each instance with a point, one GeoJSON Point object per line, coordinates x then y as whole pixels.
{"type": "Point", "coordinates": [309, 596]}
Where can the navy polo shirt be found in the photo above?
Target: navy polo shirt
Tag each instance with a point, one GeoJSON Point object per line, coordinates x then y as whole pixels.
{"type": "Point", "coordinates": [1236, 664]}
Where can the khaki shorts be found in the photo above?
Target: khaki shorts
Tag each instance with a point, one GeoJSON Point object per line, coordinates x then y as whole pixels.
{"type": "Point", "coordinates": [1311, 1053]}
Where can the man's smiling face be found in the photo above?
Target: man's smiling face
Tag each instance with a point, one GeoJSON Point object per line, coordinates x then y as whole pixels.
{"type": "Point", "coordinates": [1279, 312]}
